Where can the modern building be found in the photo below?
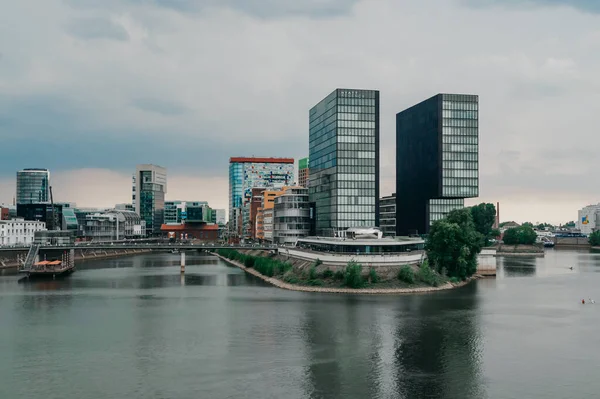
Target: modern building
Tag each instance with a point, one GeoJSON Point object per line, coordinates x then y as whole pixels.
{"type": "Point", "coordinates": [191, 231]}
{"type": "Point", "coordinates": [133, 192]}
{"type": "Point", "coordinates": [437, 160]}
{"type": "Point", "coordinates": [33, 186]}
{"type": "Point", "coordinates": [177, 212]}
{"type": "Point", "coordinates": [256, 202]}
{"type": "Point", "coordinates": [113, 225]}
{"type": "Point", "coordinates": [19, 231]}
{"type": "Point", "coordinates": [344, 160]}
{"type": "Point", "coordinates": [125, 207]}
{"type": "Point", "coordinates": [387, 215]}
{"type": "Point", "coordinates": [260, 224]}
{"type": "Point", "coordinates": [150, 189]}
{"type": "Point", "coordinates": [291, 216]}
{"type": "Point", "coordinates": [303, 172]}
{"type": "Point", "coordinates": [219, 217]}
{"type": "Point", "coordinates": [588, 219]}
{"type": "Point", "coordinates": [267, 231]}
{"type": "Point", "coordinates": [65, 218]}
{"type": "Point", "coordinates": [246, 173]}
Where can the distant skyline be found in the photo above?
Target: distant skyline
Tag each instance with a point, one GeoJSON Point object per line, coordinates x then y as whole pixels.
{"type": "Point", "coordinates": [89, 89]}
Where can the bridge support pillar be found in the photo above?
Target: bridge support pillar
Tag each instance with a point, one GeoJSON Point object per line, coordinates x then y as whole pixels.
{"type": "Point", "coordinates": [182, 262]}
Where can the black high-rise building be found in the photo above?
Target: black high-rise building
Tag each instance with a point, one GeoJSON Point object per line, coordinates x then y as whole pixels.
{"type": "Point", "coordinates": [437, 160]}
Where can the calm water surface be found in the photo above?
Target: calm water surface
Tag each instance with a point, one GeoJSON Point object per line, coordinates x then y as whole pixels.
{"type": "Point", "coordinates": [134, 328]}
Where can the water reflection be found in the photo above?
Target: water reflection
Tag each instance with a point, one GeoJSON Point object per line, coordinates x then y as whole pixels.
{"type": "Point", "coordinates": [517, 266]}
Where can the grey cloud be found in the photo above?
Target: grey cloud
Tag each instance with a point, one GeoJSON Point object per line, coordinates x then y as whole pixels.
{"type": "Point", "coordinates": [163, 107]}
{"type": "Point", "coordinates": [96, 28]}
{"type": "Point", "coordinates": [592, 6]}
{"type": "Point", "coordinates": [255, 8]}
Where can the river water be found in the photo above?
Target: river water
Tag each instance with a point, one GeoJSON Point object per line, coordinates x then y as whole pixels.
{"type": "Point", "coordinates": [134, 328]}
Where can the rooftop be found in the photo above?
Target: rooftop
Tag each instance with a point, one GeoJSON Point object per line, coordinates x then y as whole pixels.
{"type": "Point", "coordinates": [365, 241]}
{"type": "Point", "coordinates": [260, 160]}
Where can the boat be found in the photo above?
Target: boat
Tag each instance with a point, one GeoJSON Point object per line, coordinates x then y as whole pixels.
{"type": "Point", "coordinates": [548, 244]}
{"type": "Point", "coordinates": [49, 269]}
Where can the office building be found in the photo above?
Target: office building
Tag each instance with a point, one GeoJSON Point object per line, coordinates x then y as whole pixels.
{"type": "Point", "coordinates": [219, 217]}
{"type": "Point", "coordinates": [256, 202]}
{"type": "Point", "coordinates": [19, 231]}
{"type": "Point", "coordinates": [303, 172]}
{"type": "Point", "coordinates": [291, 216]}
{"type": "Point", "coordinates": [387, 215]}
{"type": "Point", "coordinates": [344, 160]}
{"type": "Point", "coordinates": [33, 186]}
{"type": "Point", "coordinates": [246, 173]}
{"type": "Point", "coordinates": [177, 212]}
{"type": "Point", "coordinates": [61, 216]}
{"type": "Point", "coordinates": [588, 219]}
{"type": "Point", "coordinates": [437, 160]}
{"type": "Point", "coordinates": [150, 190]}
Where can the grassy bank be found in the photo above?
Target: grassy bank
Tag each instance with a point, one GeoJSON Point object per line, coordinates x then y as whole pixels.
{"type": "Point", "coordinates": [354, 275]}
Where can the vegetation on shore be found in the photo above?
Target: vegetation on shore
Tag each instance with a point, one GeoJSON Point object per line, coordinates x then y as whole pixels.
{"type": "Point", "coordinates": [354, 274]}
{"type": "Point", "coordinates": [522, 235]}
{"type": "Point", "coordinates": [594, 239]}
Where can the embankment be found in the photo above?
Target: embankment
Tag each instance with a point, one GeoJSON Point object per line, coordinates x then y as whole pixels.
{"type": "Point", "coordinates": [338, 290]}
{"type": "Point", "coordinates": [520, 250]}
{"type": "Point", "coordinates": [12, 259]}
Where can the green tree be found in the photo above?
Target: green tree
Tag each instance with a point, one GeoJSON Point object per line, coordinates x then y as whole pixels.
{"type": "Point", "coordinates": [453, 244]}
{"type": "Point", "coordinates": [523, 235]}
{"type": "Point", "coordinates": [570, 224]}
{"type": "Point", "coordinates": [352, 276]}
{"type": "Point", "coordinates": [595, 238]}
{"type": "Point", "coordinates": [484, 216]}
{"type": "Point", "coordinates": [528, 224]}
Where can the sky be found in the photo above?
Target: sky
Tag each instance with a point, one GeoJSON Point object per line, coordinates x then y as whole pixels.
{"type": "Point", "coordinates": [90, 88]}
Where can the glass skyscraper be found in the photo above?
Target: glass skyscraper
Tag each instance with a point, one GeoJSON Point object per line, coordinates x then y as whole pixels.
{"type": "Point", "coordinates": [33, 186]}
{"type": "Point", "coordinates": [150, 189]}
{"type": "Point", "coordinates": [344, 160]}
{"type": "Point", "coordinates": [246, 173]}
{"type": "Point", "coordinates": [437, 160]}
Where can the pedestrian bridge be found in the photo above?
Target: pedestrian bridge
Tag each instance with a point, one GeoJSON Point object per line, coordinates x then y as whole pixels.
{"type": "Point", "coordinates": [160, 246]}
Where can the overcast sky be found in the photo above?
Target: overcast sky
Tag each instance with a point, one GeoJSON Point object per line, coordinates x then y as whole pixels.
{"type": "Point", "coordinates": [90, 88]}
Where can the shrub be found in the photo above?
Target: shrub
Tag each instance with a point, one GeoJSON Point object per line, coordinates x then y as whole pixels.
{"type": "Point", "coordinates": [318, 262]}
{"type": "Point", "coordinates": [328, 274]}
{"type": "Point", "coordinates": [454, 280]}
{"type": "Point", "coordinates": [249, 261]}
{"type": "Point", "coordinates": [315, 282]}
{"type": "Point", "coordinates": [427, 275]}
{"type": "Point", "coordinates": [290, 278]}
{"type": "Point", "coordinates": [312, 273]}
{"type": "Point", "coordinates": [406, 274]}
{"type": "Point", "coordinates": [594, 238]}
{"type": "Point", "coordinates": [339, 275]}
{"type": "Point", "coordinates": [524, 235]}
{"type": "Point", "coordinates": [352, 276]}
{"type": "Point", "coordinates": [373, 276]}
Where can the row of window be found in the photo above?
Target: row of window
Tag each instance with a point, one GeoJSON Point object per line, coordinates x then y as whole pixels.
{"type": "Point", "coordinates": [357, 124]}
{"type": "Point", "coordinates": [447, 139]}
{"type": "Point", "coordinates": [460, 114]}
{"type": "Point", "coordinates": [355, 200]}
{"type": "Point", "coordinates": [355, 117]}
{"type": "Point", "coordinates": [355, 184]}
{"type": "Point", "coordinates": [460, 148]}
{"type": "Point", "coordinates": [356, 162]}
{"type": "Point", "coordinates": [460, 131]}
{"type": "Point", "coordinates": [356, 139]}
{"type": "Point", "coordinates": [355, 177]}
{"type": "Point", "coordinates": [462, 182]}
{"type": "Point", "coordinates": [363, 102]}
{"type": "Point", "coordinates": [355, 192]}
{"type": "Point", "coordinates": [460, 173]}
{"type": "Point", "coordinates": [458, 122]}
{"type": "Point", "coordinates": [460, 191]}
{"type": "Point", "coordinates": [460, 105]}
{"type": "Point", "coordinates": [459, 156]}
{"type": "Point", "coordinates": [466, 165]}
{"type": "Point", "coordinates": [358, 110]}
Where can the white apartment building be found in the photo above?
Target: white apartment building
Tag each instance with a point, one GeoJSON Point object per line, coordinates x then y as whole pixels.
{"type": "Point", "coordinates": [588, 219]}
{"type": "Point", "coordinates": [19, 231]}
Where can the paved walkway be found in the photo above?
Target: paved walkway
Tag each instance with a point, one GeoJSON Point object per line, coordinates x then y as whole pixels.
{"type": "Point", "coordinates": [372, 291]}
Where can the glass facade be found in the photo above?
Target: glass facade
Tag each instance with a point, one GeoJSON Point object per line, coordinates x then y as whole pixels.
{"type": "Point", "coordinates": [291, 216]}
{"type": "Point", "coordinates": [151, 186]}
{"type": "Point", "coordinates": [387, 215]}
{"type": "Point", "coordinates": [437, 160]}
{"type": "Point", "coordinates": [344, 160]}
{"type": "Point", "coordinates": [33, 186]}
{"type": "Point", "coordinates": [246, 174]}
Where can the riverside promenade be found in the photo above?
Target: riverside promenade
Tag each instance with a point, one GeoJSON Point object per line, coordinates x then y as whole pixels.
{"type": "Point", "coordinates": [367, 291]}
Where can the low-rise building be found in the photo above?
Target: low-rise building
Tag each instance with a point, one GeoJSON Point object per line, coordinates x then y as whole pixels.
{"type": "Point", "coordinates": [188, 231]}
{"type": "Point", "coordinates": [19, 231]}
{"type": "Point", "coordinates": [113, 225]}
{"type": "Point", "coordinates": [4, 213]}
{"type": "Point", "coordinates": [588, 219]}
{"type": "Point", "coordinates": [268, 225]}
{"type": "Point", "coordinates": [387, 215]}
{"type": "Point", "coordinates": [219, 217]}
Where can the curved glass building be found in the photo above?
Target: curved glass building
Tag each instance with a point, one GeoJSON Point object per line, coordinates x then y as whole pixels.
{"type": "Point", "coordinates": [33, 186]}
